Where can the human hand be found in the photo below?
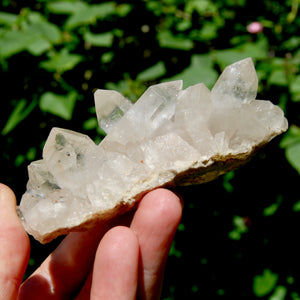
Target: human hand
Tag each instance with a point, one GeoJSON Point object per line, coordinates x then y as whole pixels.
{"type": "Point", "coordinates": [123, 260]}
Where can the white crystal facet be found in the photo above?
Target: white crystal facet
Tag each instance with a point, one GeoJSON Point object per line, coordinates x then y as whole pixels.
{"type": "Point", "coordinates": [169, 136]}
{"type": "Point", "coordinates": [237, 82]}
{"type": "Point", "coordinates": [110, 107]}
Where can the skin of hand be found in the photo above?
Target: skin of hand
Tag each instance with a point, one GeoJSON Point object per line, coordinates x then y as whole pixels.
{"type": "Point", "coordinates": [125, 259]}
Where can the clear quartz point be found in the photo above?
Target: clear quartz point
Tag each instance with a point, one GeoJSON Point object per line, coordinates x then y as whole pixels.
{"type": "Point", "coordinates": [110, 107]}
{"type": "Point", "coordinates": [237, 82]}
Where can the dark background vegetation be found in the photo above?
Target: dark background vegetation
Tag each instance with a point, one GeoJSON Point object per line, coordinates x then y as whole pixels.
{"type": "Point", "coordinates": [239, 236]}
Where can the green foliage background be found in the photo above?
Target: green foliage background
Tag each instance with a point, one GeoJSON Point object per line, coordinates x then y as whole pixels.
{"type": "Point", "coordinates": [239, 235]}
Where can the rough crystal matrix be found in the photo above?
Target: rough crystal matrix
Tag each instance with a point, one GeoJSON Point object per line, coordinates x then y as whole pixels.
{"type": "Point", "coordinates": [168, 137]}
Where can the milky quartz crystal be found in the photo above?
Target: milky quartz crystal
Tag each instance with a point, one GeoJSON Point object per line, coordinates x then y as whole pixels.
{"type": "Point", "coordinates": [168, 137]}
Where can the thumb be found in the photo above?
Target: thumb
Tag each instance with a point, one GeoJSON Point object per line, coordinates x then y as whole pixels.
{"type": "Point", "coordinates": [14, 246]}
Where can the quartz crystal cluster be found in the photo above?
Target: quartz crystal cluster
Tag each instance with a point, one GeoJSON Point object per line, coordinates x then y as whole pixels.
{"type": "Point", "coordinates": [168, 137]}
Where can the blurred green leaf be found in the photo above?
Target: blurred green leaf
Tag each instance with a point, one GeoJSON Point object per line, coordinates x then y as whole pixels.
{"type": "Point", "coordinates": [59, 105]}
{"type": "Point", "coordinates": [62, 61]}
{"type": "Point", "coordinates": [8, 18]}
{"type": "Point", "coordinates": [208, 32]}
{"type": "Point", "coordinates": [83, 13]}
{"type": "Point", "coordinates": [90, 124]}
{"type": "Point", "coordinates": [200, 70]}
{"type": "Point", "coordinates": [38, 47]}
{"type": "Point", "coordinates": [279, 293]}
{"type": "Point", "coordinates": [278, 77]}
{"type": "Point", "coordinates": [295, 89]}
{"type": "Point", "coordinates": [183, 25]}
{"type": "Point", "coordinates": [291, 137]}
{"type": "Point", "coordinates": [36, 35]}
{"type": "Point", "coordinates": [258, 50]}
{"type": "Point", "coordinates": [64, 7]}
{"type": "Point", "coordinates": [293, 156]}
{"type": "Point", "coordinates": [31, 154]}
{"type": "Point", "coordinates": [291, 143]}
{"type": "Point", "coordinates": [265, 283]}
{"type": "Point", "coordinates": [167, 40]}
{"type": "Point", "coordinates": [31, 262]}
{"type": "Point", "coordinates": [292, 43]}
{"type": "Point", "coordinates": [226, 181]}
{"type": "Point", "coordinates": [201, 6]}
{"type": "Point", "coordinates": [107, 57]}
{"type": "Point", "coordinates": [239, 228]}
{"type": "Point", "coordinates": [123, 10]}
{"type": "Point", "coordinates": [132, 89]}
{"type": "Point", "coordinates": [153, 72]}
{"type": "Point", "coordinates": [101, 10]}
{"type": "Point", "coordinates": [271, 210]}
{"type": "Point", "coordinates": [295, 296]}
{"type": "Point", "coordinates": [19, 113]}
{"type": "Point", "coordinates": [296, 206]}
{"type": "Point", "coordinates": [19, 160]}
{"type": "Point", "coordinates": [100, 39]}
{"type": "Point", "coordinates": [45, 29]}
{"type": "Point", "coordinates": [13, 42]}
{"type": "Point", "coordinates": [174, 251]}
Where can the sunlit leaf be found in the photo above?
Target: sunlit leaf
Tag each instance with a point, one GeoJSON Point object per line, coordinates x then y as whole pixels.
{"type": "Point", "coordinates": [38, 47]}
{"type": "Point", "coordinates": [83, 13]}
{"type": "Point", "coordinates": [200, 70]}
{"type": "Point", "coordinates": [123, 10]}
{"type": "Point", "coordinates": [295, 89]}
{"type": "Point", "coordinates": [153, 72]}
{"type": "Point", "coordinates": [293, 156]}
{"type": "Point", "coordinates": [291, 137]}
{"type": "Point", "coordinates": [270, 210]}
{"type": "Point", "coordinates": [265, 283]}
{"type": "Point", "coordinates": [167, 40]}
{"type": "Point", "coordinates": [291, 144]}
{"type": "Point", "coordinates": [7, 18]}
{"type": "Point", "coordinates": [258, 50]}
{"type": "Point", "coordinates": [207, 32]}
{"type": "Point", "coordinates": [59, 105]}
{"type": "Point", "coordinates": [279, 293]}
{"type": "Point", "coordinates": [131, 89]}
{"type": "Point", "coordinates": [43, 27]}
{"type": "Point", "coordinates": [64, 7]}
{"type": "Point", "coordinates": [36, 35]}
{"type": "Point", "coordinates": [20, 112]}
{"type": "Point", "coordinates": [201, 6]}
{"type": "Point", "coordinates": [13, 42]}
{"type": "Point", "coordinates": [183, 25]}
{"type": "Point", "coordinates": [239, 228]}
{"type": "Point", "coordinates": [107, 57]}
{"type": "Point", "coordinates": [292, 43]}
{"type": "Point", "coordinates": [278, 77]}
{"type": "Point", "coordinates": [62, 61]}
{"type": "Point", "coordinates": [100, 39]}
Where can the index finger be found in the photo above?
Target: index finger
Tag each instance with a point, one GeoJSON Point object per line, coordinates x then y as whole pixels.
{"type": "Point", "coordinates": [155, 223]}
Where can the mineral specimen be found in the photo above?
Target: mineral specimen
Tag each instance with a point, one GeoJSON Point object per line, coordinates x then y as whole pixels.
{"type": "Point", "coordinates": [168, 137]}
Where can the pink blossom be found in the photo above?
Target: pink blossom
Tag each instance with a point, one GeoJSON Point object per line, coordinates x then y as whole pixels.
{"type": "Point", "coordinates": [255, 27]}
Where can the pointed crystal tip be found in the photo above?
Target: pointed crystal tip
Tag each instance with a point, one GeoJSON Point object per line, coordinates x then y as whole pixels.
{"type": "Point", "coordinates": [237, 82]}
{"type": "Point", "coordinates": [110, 107]}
